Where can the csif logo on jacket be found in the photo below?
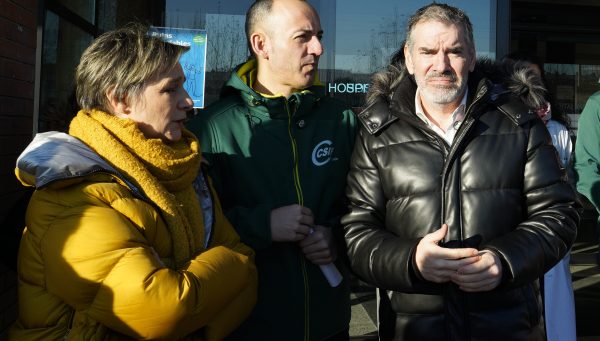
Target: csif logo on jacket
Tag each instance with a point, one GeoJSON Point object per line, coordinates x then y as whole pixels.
{"type": "Point", "coordinates": [322, 153]}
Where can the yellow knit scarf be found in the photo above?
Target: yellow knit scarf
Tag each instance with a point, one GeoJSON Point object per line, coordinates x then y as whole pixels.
{"type": "Point", "coordinates": [163, 172]}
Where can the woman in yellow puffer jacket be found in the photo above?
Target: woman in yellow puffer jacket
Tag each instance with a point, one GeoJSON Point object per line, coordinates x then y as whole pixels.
{"type": "Point", "coordinates": [125, 237]}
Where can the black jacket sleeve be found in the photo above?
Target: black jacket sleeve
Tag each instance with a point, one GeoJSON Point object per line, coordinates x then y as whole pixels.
{"type": "Point", "coordinates": [376, 255]}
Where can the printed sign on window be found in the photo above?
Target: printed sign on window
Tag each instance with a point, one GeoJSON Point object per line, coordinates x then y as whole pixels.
{"type": "Point", "coordinates": [193, 61]}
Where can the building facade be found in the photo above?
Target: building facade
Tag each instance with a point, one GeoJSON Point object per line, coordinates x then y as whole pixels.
{"type": "Point", "coordinates": [41, 42]}
{"type": "Point", "coordinates": [18, 46]}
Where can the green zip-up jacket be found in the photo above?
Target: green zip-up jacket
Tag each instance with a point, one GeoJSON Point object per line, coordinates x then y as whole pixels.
{"type": "Point", "coordinates": [587, 152]}
{"type": "Point", "coordinates": [265, 153]}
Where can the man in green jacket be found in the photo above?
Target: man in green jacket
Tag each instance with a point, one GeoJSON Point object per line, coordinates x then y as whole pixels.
{"type": "Point", "coordinates": [279, 151]}
{"type": "Point", "coordinates": [587, 154]}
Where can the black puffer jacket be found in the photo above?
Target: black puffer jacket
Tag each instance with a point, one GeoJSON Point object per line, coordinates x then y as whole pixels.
{"type": "Point", "coordinates": [499, 187]}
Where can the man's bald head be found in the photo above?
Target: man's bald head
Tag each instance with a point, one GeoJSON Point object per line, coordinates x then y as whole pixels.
{"type": "Point", "coordinates": [257, 17]}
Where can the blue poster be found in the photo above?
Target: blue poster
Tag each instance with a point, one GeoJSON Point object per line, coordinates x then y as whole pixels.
{"type": "Point", "coordinates": [193, 61]}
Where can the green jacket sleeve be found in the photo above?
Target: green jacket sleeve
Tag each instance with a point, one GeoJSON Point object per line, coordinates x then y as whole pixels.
{"type": "Point", "coordinates": [587, 151]}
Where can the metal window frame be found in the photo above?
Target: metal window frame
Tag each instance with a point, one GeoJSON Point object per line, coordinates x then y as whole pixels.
{"type": "Point", "coordinates": [502, 28]}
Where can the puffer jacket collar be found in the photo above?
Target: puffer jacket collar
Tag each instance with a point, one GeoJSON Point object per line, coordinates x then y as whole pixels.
{"type": "Point", "coordinates": [54, 156]}
{"type": "Point", "coordinates": [392, 93]}
{"type": "Point", "coordinates": [275, 107]}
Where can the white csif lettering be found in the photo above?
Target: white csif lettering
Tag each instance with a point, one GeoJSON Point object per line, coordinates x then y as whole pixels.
{"type": "Point", "coordinates": [322, 153]}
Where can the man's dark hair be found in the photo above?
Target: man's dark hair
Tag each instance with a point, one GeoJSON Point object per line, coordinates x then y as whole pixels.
{"type": "Point", "coordinates": [444, 13]}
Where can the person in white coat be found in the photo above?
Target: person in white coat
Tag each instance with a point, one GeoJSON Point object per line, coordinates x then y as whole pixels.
{"type": "Point", "coordinates": [559, 301]}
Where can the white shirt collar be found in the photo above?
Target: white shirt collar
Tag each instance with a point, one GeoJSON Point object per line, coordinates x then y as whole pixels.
{"type": "Point", "coordinates": [457, 117]}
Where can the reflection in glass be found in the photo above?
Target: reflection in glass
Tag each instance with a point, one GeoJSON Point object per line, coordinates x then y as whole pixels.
{"type": "Point", "coordinates": [226, 38]}
{"type": "Point", "coordinates": [227, 45]}
{"type": "Point", "coordinates": [114, 13]}
{"type": "Point", "coordinates": [107, 14]}
{"type": "Point", "coordinates": [572, 85]}
{"type": "Point", "coordinates": [63, 45]}
{"type": "Point", "coordinates": [359, 37]}
{"type": "Point", "coordinates": [85, 9]}
{"type": "Point", "coordinates": [367, 36]}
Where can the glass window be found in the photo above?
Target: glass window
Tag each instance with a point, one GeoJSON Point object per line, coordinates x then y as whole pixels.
{"type": "Point", "coordinates": [107, 14]}
{"type": "Point", "coordinates": [62, 47]}
{"type": "Point", "coordinates": [565, 37]}
{"type": "Point", "coordinates": [113, 13]}
{"type": "Point", "coordinates": [359, 38]}
{"type": "Point", "coordinates": [572, 85]}
{"type": "Point", "coordinates": [366, 36]}
{"type": "Point", "coordinates": [85, 9]}
{"type": "Point", "coordinates": [66, 37]}
{"type": "Point", "coordinates": [226, 38]}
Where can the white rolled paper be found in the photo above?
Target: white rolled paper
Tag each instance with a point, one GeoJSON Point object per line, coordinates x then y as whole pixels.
{"type": "Point", "coordinates": [331, 272]}
{"type": "Point", "coordinates": [333, 275]}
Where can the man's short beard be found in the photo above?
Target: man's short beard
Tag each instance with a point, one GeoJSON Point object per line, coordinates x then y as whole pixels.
{"type": "Point", "coordinates": [441, 94]}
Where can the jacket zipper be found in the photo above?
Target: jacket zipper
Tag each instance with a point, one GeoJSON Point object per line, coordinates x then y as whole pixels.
{"type": "Point", "coordinates": [300, 200]}
{"type": "Point", "coordinates": [296, 174]}
{"type": "Point", "coordinates": [463, 130]}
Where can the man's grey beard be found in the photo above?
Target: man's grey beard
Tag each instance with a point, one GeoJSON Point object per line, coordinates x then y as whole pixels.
{"type": "Point", "coordinates": [441, 94]}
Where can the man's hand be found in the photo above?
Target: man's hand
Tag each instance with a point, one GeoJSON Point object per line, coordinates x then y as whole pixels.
{"type": "Point", "coordinates": [291, 223]}
{"type": "Point", "coordinates": [318, 246]}
{"type": "Point", "coordinates": [483, 275]}
{"type": "Point", "coordinates": [438, 264]}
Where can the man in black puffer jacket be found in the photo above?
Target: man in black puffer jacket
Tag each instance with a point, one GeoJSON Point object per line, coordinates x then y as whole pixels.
{"type": "Point", "coordinates": [458, 201]}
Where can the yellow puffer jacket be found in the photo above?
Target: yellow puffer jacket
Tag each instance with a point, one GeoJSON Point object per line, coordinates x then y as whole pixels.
{"type": "Point", "coordinates": [92, 265]}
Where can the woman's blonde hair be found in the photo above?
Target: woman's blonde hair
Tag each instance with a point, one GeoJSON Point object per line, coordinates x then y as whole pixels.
{"type": "Point", "coordinates": [120, 62]}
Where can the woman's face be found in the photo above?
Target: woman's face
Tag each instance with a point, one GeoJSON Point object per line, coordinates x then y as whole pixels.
{"type": "Point", "coordinates": [160, 110]}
